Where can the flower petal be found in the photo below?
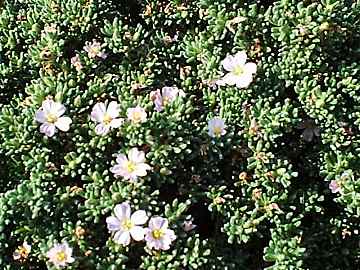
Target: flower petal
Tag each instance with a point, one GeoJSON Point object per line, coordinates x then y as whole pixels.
{"type": "Point", "coordinates": [136, 156]}
{"type": "Point", "coordinates": [250, 67]}
{"type": "Point", "coordinates": [116, 123]}
{"type": "Point", "coordinates": [58, 109]}
{"type": "Point", "coordinates": [139, 217]}
{"type": "Point", "coordinates": [98, 112]}
{"type": "Point", "coordinates": [113, 224]}
{"type": "Point", "coordinates": [113, 109]}
{"type": "Point", "coordinates": [244, 80]}
{"type": "Point", "coordinates": [48, 129]}
{"type": "Point", "coordinates": [102, 129]}
{"type": "Point", "coordinates": [122, 237]}
{"type": "Point", "coordinates": [63, 123]}
{"type": "Point", "coordinates": [137, 233]}
{"type": "Point", "coordinates": [158, 223]}
{"type": "Point", "coordinates": [240, 58]}
{"type": "Point", "coordinates": [40, 116]}
{"type": "Point", "coordinates": [228, 63]}
{"type": "Point", "coordinates": [141, 169]}
{"type": "Point", "coordinates": [47, 105]}
{"type": "Point", "coordinates": [122, 211]}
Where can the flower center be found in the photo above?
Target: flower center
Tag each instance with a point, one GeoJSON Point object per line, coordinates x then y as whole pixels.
{"type": "Point", "coordinates": [130, 166]}
{"type": "Point", "coordinates": [61, 256]}
{"type": "Point", "coordinates": [137, 117]}
{"type": "Point", "coordinates": [107, 119]}
{"type": "Point", "coordinates": [94, 50]}
{"type": "Point", "coordinates": [127, 224]}
{"type": "Point", "coordinates": [51, 118]}
{"type": "Point", "coordinates": [217, 131]}
{"type": "Point", "coordinates": [157, 234]}
{"type": "Point", "coordinates": [166, 100]}
{"type": "Point", "coordinates": [238, 70]}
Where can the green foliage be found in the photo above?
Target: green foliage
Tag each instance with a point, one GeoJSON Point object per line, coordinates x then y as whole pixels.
{"type": "Point", "coordinates": [259, 194]}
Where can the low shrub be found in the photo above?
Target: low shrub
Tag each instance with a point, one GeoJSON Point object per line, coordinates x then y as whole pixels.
{"type": "Point", "coordinates": [208, 134]}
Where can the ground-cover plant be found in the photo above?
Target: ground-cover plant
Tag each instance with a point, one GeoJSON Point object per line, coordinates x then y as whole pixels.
{"type": "Point", "coordinates": [208, 134]}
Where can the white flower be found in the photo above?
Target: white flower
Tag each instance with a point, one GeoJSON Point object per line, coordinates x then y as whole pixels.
{"type": "Point", "coordinates": [157, 235]}
{"type": "Point", "coordinates": [50, 116]}
{"type": "Point", "coordinates": [240, 72]}
{"type": "Point", "coordinates": [94, 49]}
{"type": "Point", "coordinates": [75, 61]}
{"type": "Point", "coordinates": [125, 225]}
{"type": "Point", "coordinates": [132, 166]}
{"type": "Point", "coordinates": [106, 117]}
{"type": "Point", "coordinates": [166, 96]}
{"type": "Point", "coordinates": [60, 255]}
{"type": "Point", "coordinates": [216, 127]}
{"type": "Point", "coordinates": [22, 252]}
{"type": "Point", "coordinates": [136, 115]}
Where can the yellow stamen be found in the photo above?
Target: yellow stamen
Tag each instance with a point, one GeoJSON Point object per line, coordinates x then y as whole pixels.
{"type": "Point", "coordinates": [61, 256]}
{"type": "Point", "coordinates": [107, 119]}
{"type": "Point", "coordinates": [217, 131]}
{"type": "Point", "coordinates": [238, 70]}
{"type": "Point", "coordinates": [136, 117]}
{"type": "Point", "coordinates": [157, 234]}
{"type": "Point", "coordinates": [127, 224]}
{"type": "Point", "coordinates": [51, 118]}
{"type": "Point", "coordinates": [130, 166]}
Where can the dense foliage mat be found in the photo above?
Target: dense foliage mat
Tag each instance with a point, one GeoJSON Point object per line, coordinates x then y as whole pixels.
{"type": "Point", "coordinates": [208, 134]}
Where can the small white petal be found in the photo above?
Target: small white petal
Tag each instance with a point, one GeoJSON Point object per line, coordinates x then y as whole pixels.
{"type": "Point", "coordinates": [121, 159]}
{"type": "Point", "coordinates": [116, 123]}
{"type": "Point", "coordinates": [63, 123]}
{"type": "Point", "coordinates": [244, 80]}
{"type": "Point", "coordinates": [58, 109]}
{"type": "Point", "coordinates": [250, 67]}
{"type": "Point", "coordinates": [113, 109]}
{"type": "Point", "coordinates": [240, 58]}
{"type": "Point", "coordinates": [122, 211]}
{"type": "Point", "coordinates": [122, 237]}
{"type": "Point", "coordinates": [137, 233]}
{"type": "Point", "coordinates": [139, 217]}
{"type": "Point", "coordinates": [48, 105]}
{"type": "Point", "coordinates": [113, 224]}
{"type": "Point", "coordinates": [230, 79]}
{"type": "Point", "coordinates": [228, 63]}
{"type": "Point", "coordinates": [40, 116]}
{"type": "Point", "coordinates": [141, 169]}
{"type": "Point", "coordinates": [102, 129]}
{"type": "Point", "coordinates": [48, 129]}
{"type": "Point", "coordinates": [136, 156]}
{"type": "Point", "coordinates": [98, 112]}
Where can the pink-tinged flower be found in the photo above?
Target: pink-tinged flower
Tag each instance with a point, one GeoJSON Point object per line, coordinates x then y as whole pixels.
{"type": "Point", "coordinates": [334, 186]}
{"type": "Point", "coordinates": [240, 72]}
{"type": "Point", "coordinates": [216, 127]}
{"type": "Point", "coordinates": [94, 49]}
{"type": "Point", "coordinates": [188, 225]}
{"type": "Point", "coordinates": [60, 255]}
{"type": "Point", "coordinates": [22, 252]}
{"type": "Point", "coordinates": [75, 61]}
{"type": "Point", "coordinates": [136, 115]}
{"type": "Point", "coordinates": [131, 166]}
{"type": "Point", "coordinates": [166, 96]}
{"type": "Point", "coordinates": [125, 225]}
{"type": "Point", "coordinates": [50, 115]}
{"type": "Point", "coordinates": [106, 117]}
{"type": "Point", "coordinates": [157, 235]}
